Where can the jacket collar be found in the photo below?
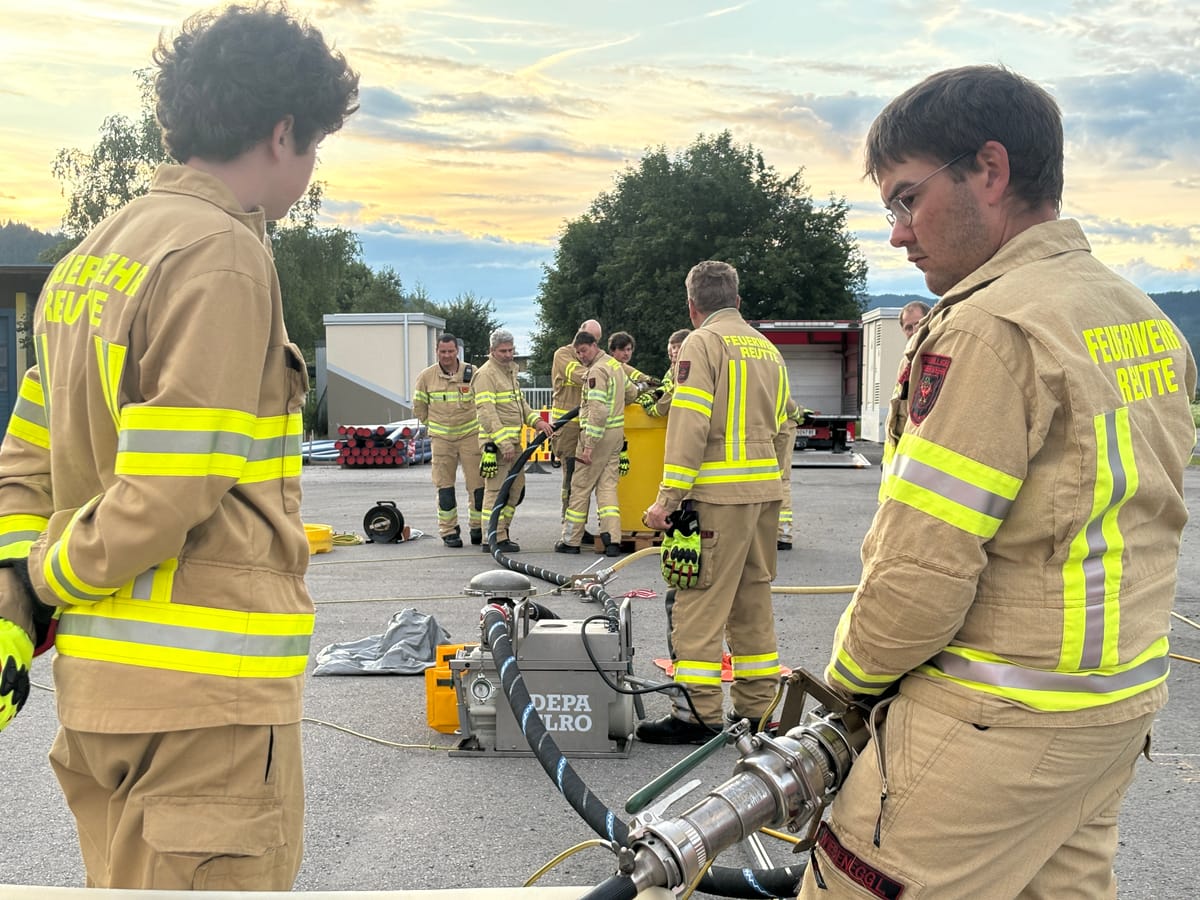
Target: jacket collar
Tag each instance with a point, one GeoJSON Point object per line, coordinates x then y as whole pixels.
{"type": "Point", "coordinates": [176, 179]}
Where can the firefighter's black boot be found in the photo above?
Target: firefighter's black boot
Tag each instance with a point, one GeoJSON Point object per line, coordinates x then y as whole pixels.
{"type": "Point", "coordinates": [453, 539]}
{"type": "Point", "coordinates": [476, 536]}
{"type": "Point", "coordinates": [672, 730]}
{"type": "Point", "coordinates": [611, 548]}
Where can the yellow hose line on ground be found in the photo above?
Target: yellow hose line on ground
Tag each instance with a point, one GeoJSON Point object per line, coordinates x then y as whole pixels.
{"type": "Point", "coordinates": [817, 589]}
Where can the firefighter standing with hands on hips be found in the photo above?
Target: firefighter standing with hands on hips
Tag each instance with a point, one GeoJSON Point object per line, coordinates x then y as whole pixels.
{"type": "Point", "coordinates": [150, 487]}
{"type": "Point", "coordinates": [444, 402]}
{"type": "Point", "coordinates": [502, 411]}
{"type": "Point", "coordinates": [601, 442]}
{"type": "Point", "coordinates": [720, 465]}
{"type": "Point", "coordinates": [1016, 591]}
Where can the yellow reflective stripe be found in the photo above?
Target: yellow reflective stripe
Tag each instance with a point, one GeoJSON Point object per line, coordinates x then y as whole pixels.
{"type": "Point", "coordinates": [1051, 691]}
{"type": "Point", "coordinates": [17, 534]}
{"type": "Point", "coordinates": [678, 476]}
{"type": "Point", "coordinates": [949, 486]}
{"type": "Point", "coordinates": [721, 471]}
{"type": "Point", "coordinates": [153, 584]}
{"type": "Point", "coordinates": [28, 420]}
{"type": "Point", "coordinates": [1093, 570]}
{"type": "Point", "coordinates": [686, 397]}
{"type": "Point", "coordinates": [200, 662]}
{"type": "Point", "coordinates": [42, 348]}
{"type": "Point", "coordinates": [110, 359]}
{"type": "Point", "coordinates": [693, 671]}
{"type": "Point", "coordinates": [854, 678]}
{"type": "Point", "coordinates": [60, 577]}
{"type": "Point", "coordinates": [759, 665]}
{"type": "Point", "coordinates": [735, 421]}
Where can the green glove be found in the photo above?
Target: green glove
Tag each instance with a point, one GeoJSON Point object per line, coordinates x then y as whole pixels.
{"type": "Point", "coordinates": [646, 400]}
{"type": "Point", "coordinates": [16, 655]}
{"type": "Point", "coordinates": [681, 549]}
{"type": "Point", "coordinates": [488, 467]}
{"type": "Point", "coordinates": [623, 459]}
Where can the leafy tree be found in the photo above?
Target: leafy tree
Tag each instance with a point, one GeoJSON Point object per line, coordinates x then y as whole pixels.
{"type": "Point", "coordinates": [473, 320]}
{"type": "Point", "coordinates": [624, 261]}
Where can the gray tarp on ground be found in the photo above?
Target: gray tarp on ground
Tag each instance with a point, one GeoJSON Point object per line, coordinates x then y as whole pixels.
{"type": "Point", "coordinates": [408, 646]}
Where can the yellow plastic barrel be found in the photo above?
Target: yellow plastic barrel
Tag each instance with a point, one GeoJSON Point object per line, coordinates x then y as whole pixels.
{"type": "Point", "coordinates": [636, 491]}
{"type": "Point", "coordinates": [320, 537]}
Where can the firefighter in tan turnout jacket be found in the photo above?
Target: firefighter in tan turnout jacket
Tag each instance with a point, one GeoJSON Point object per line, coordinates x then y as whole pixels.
{"type": "Point", "coordinates": [567, 380]}
{"type": "Point", "coordinates": [720, 458]}
{"type": "Point", "coordinates": [150, 480]}
{"type": "Point", "coordinates": [502, 412]}
{"type": "Point", "coordinates": [444, 402]}
{"type": "Point", "coordinates": [1017, 591]}
{"type": "Point", "coordinates": [602, 423]}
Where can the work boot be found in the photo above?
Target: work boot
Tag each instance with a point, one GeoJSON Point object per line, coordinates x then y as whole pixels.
{"type": "Point", "coordinates": [672, 730]}
{"type": "Point", "coordinates": [507, 546]}
{"type": "Point", "coordinates": [611, 548]}
{"type": "Point", "coordinates": [453, 539]}
{"type": "Point", "coordinates": [783, 545]}
{"type": "Point", "coordinates": [588, 538]}
{"type": "Point", "coordinates": [476, 536]}
{"type": "Point", "coordinates": [564, 547]}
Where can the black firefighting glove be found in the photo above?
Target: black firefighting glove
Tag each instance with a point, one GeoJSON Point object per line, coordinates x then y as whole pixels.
{"type": "Point", "coordinates": [623, 459]}
{"type": "Point", "coordinates": [647, 400]}
{"type": "Point", "coordinates": [16, 656]}
{"type": "Point", "coordinates": [681, 549]}
{"type": "Point", "coordinates": [488, 466]}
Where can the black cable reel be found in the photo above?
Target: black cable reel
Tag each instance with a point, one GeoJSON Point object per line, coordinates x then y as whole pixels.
{"type": "Point", "coordinates": [384, 523]}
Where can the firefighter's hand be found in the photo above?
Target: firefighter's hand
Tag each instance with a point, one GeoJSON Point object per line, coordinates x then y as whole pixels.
{"type": "Point", "coordinates": [16, 655]}
{"type": "Point", "coordinates": [656, 517]}
{"type": "Point", "coordinates": [487, 462]}
{"type": "Point", "coordinates": [544, 427]}
{"type": "Point", "coordinates": [681, 549]}
{"type": "Point", "coordinates": [623, 459]}
{"type": "Point", "coordinates": [649, 399]}
{"type": "Point", "coordinates": [508, 450]}
{"type": "Point", "coordinates": [585, 456]}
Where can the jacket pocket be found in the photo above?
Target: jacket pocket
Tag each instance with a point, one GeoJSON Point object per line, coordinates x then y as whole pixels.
{"type": "Point", "coordinates": [708, 546]}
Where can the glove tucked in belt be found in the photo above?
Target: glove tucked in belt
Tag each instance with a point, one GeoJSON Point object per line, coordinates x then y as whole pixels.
{"type": "Point", "coordinates": [488, 466]}
{"type": "Point", "coordinates": [623, 459]}
{"type": "Point", "coordinates": [681, 549]}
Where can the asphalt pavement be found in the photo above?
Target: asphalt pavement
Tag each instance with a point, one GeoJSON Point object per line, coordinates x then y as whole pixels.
{"type": "Point", "coordinates": [388, 808]}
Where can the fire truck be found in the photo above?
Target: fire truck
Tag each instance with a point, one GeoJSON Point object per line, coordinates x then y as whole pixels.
{"type": "Point", "coordinates": [824, 363]}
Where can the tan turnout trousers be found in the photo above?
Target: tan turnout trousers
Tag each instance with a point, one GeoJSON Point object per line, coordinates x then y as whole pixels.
{"type": "Point", "coordinates": [599, 478]}
{"type": "Point", "coordinates": [1038, 822]}
{"type": "Point", "coordinates": [218, 808]}
{"type": "Point", "coordinates": [448, 455]}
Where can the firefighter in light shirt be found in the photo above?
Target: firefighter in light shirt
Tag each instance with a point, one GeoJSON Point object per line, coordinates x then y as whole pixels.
{"type": "Point", "coordinates": [150, 481]}
{"type": "Point", "coordinates": [602, 419]}
{"type": "Point", "coordinates": [502, 410]}
{"type": "Point", "coordinates": [720, 458]}
{"type": "Point", "coordinates": [1017, 591]}
{"type": "Point", "coordinates": [443, 400]}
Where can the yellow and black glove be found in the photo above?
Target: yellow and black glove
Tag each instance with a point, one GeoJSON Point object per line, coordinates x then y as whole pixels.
{"type": "Point", "coordinates": [488, 466]}
{"type": "Point", "coordinates": [623, 459]}
{"type": "Point", "coordinates": [16, 655]}
{"type": "Point", "coordinates": [648, 400]}
{"type": "Point", "coordinates": [681, 549]}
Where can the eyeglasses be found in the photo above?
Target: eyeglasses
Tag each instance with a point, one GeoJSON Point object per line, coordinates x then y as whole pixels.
{"type": "Point", "coordinates": [897, 209]}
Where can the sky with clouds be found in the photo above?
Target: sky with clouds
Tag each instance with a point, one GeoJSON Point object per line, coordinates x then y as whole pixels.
{"type": "Point", "coordinates": [485, 127]}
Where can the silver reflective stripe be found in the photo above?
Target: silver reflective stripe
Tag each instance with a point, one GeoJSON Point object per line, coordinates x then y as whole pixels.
{"type": "Point", "coordinates": [697, 671]}
{"type": "Point", "coordinates": [29, 411]}
{"type": "Point", "coordinates": [735, 426]}
{"type": "Point", "coordinates": [718, 470]}
{"type": "Point", "coordinates": [850, 678]}
{"type": "Point", "coordinates": [145, 441]}
{"type": "Point", "coordinates": [17, 537]}
{"type": "Point", "coordinates": [60, 576]}
{"type": "Point", "coordinates": [182, 638]}
{"type": "Point", "coordinates": [961, 492]}
{"type": "Point", "coordinates": [1094, 575]}
{"type": "Point", "coordinates": [1005, 675]}
{"type": "Point", "coordinates": [143, 585]}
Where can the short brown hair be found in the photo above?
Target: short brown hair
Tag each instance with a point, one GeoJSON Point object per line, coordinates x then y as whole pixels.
{"type": "Point", "coordinates": [712, 285]}
{"type": "Point", "coordinates": [620, 340]}
{"type": "Point", "coordinates": [956, 111]}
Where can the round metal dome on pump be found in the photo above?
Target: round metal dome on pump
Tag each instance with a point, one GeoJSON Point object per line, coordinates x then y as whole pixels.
{"type": "Point", "coordinates": [500, 583]}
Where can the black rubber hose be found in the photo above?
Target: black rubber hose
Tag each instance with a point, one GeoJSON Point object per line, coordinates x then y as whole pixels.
{"type": "Point", "coordinates": [719, 880]}
{"type": "Point", "coordinates": [618, 887]}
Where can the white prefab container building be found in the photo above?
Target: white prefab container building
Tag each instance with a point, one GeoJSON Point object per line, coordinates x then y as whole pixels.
{"type": "Point", "coordinates": [372, 361]}
{"type": "Point", "coordinates": [883, 349]}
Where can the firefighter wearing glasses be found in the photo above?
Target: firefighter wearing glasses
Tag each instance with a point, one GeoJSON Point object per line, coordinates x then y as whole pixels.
{"type": "Point", "coordinates": [720, 457]}
{"type": "Point", "coordinates": [443, 400]}
{"type": "Point", "coordinates": [1016, 592]}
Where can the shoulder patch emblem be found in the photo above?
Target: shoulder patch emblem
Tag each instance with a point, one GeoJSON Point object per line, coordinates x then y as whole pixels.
{"type": "Point", "coordinates": [591, 382]}
{"type": "Point", "coordinates": [925, 393]}
{"type": "Point", "coordinates": [681, 371]}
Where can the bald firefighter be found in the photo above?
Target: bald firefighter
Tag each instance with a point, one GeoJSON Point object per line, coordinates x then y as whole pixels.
{"type": "Point", "coordinates": [567, 380]}
{"type": "Point", "coordinates": [721, 465]}
{"type": "Point", "coordinates": [602, 419]}
{"type": "Point", "coordinates": [444, 402]}
{"type": "Point", "coordinates": [502, 411]}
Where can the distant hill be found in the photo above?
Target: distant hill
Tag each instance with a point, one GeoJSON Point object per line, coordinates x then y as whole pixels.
{"type": "Point", "coordinates": [20, 244]}
{"type": "Point", "coordinates": [874, 301]}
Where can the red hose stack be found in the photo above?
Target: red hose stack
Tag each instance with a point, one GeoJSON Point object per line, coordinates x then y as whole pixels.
{"type": "Point", "coordinates": [369, 445]}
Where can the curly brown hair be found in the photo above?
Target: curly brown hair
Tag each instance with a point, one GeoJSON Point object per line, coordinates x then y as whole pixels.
{"type": "Point", "coordinates": [230, 76]}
